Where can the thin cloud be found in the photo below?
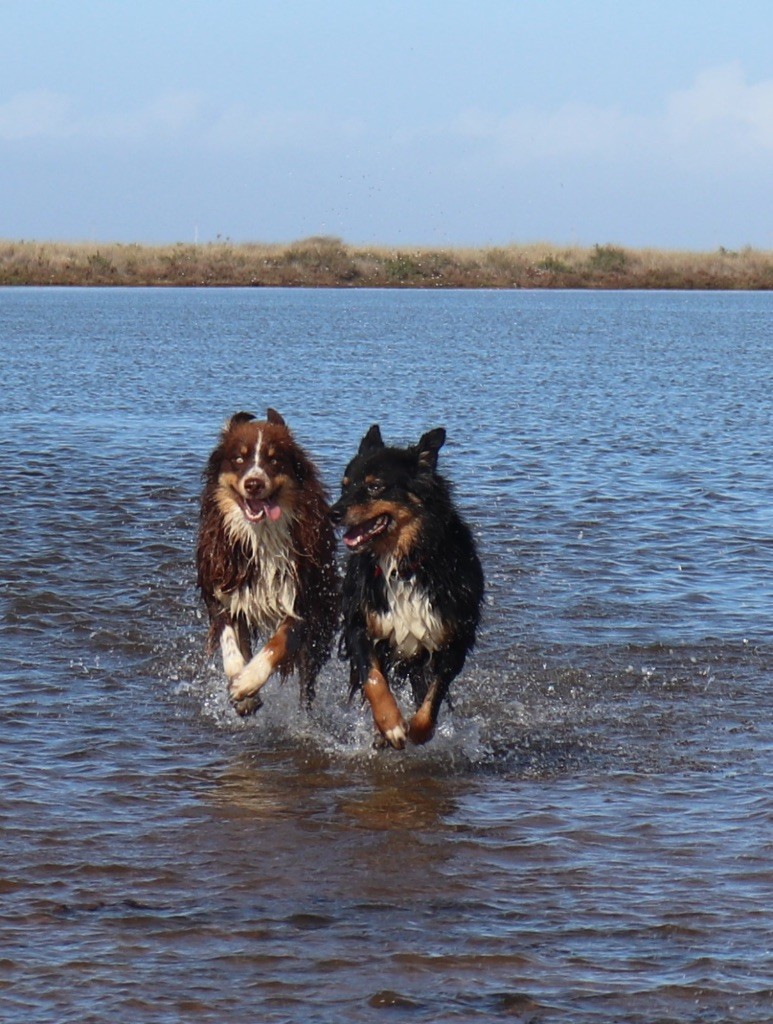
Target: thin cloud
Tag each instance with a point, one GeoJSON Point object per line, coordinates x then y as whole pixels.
{"type": "Point", "coordinates": [37, 114]}
{"type": "Point", "coordinates": [722, 106]}
{"type": "Point", "coordinates": [717, 118]}
{"type": "Point", "coordinates": [574, 129]}
{"type": "Point", "coordinates": [234, 128]}
{"type": "Point", "coordinates": [241, 127]}
{"type": "Point", "coordinates": [46, 115]}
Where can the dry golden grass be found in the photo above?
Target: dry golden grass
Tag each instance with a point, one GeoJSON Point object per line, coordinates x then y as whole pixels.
{"type": "Point", "coordinates": [329, 262]}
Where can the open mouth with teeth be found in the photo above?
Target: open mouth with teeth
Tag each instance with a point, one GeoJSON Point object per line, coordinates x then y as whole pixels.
{"type": "Point", "coordinates": [256, 509]}
{"type": "Point", "coordinates": [357, 536]}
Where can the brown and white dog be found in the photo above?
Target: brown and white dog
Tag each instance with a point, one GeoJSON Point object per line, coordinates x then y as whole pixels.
{"type": "Point", "coordinates": [265, 558]}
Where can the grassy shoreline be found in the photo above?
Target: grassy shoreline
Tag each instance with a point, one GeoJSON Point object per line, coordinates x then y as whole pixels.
{"type": "Point", "coordinates": [329, 262]}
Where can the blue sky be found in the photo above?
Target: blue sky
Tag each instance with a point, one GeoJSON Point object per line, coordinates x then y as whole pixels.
{"type": "Point", "coordinates": [430, 122]}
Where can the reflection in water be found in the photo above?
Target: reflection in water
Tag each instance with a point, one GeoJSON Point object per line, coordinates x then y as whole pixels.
{"type": "Point", "coordinates": [400, 805]}
{"type": "Point", "coordinates": [364, 791]}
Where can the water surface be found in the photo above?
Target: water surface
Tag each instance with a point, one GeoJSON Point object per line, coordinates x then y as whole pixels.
{"type": "Point", "coordinates": [588, 838]}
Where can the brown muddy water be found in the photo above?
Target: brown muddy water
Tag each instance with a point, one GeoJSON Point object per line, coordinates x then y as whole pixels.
{"type": "Point", "coordinates": [588, 838]}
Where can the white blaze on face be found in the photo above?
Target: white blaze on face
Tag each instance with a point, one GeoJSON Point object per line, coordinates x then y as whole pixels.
{"type": "Point", "coordinates": [256, 470]}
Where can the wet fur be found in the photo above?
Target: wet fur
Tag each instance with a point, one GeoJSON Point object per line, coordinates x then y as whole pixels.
{"type": "Point", "coordinates": [274, 577]}
{"type": "Point", "coordinates": [412, 590]}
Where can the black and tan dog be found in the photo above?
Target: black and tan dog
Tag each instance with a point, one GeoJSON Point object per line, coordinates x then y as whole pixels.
{"type": "Point", "coordinates": [413, 586]}
{"type": "Point", "coordinates": [266, 558]}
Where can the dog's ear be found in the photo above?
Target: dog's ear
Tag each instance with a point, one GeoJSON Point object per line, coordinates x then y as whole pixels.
{"type": "Point", "coordinates": [428, 447]}
{"type": "Point", "coordinates": [273, 417]}
{"type": "Point", "coordinates": [236, 419]}
{"type": "Point", "coordinates": [371, 441]}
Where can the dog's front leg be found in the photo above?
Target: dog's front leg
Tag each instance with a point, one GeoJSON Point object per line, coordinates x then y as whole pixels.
{"type": "Point", "coordinates": [235, 648]}
{"type": "Point", "coordinates": [444, 669]}
{"type": "Point", "coordinates": [422, 727]}
{"type": "Point", "coordinates": [256, 673]}
{"type": "Point", "coordinates": [386, 714]}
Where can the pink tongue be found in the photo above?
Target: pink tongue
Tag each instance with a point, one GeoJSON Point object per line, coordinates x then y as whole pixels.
{"type": "Point", "coordinates": [273, 511]}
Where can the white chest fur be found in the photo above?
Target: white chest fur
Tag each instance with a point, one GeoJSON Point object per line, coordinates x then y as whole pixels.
{"type": "Point", "coordinates": [411, 624]}
{"type": "Point", "coordinates": [270, 595]}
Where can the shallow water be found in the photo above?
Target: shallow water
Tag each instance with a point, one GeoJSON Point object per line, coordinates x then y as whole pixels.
{"type": "Point", "coordinates": [588, 838]}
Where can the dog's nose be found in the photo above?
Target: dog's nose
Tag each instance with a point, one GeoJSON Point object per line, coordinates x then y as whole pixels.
{"type": "Point", "coordinates": [254, 486]}
{"type": "Point", "coordinates": [337, 512]}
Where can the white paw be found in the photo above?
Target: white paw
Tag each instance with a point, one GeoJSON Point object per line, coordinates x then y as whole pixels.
{"type": "Point", "coordinates": [397, 735]}
{"type": "Point", "coordinates": [252, 677]}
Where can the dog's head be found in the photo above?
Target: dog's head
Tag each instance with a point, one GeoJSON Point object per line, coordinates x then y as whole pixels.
{"type": "Point", "coordinates": [256, 466]}
{"type": "Point", "coordinates": [385, 493]}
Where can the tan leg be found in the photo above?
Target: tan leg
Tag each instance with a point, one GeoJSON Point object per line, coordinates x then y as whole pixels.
{"type": "Point", "coordinates": [422, 727]}
{"type": "Point", "coordinates": [386, 713]}
{"type": "Point", "coordinates": [256, 673]}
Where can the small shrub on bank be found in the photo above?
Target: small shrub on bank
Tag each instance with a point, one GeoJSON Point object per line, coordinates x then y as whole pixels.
{"type": "Point", "coordinates": [403, 269]}
{"type": "Point", "coordinates": [325, 258]}
{"type": "Point", "coordinates": [554, 265]}
{"type": "Point", "coordinates": [608, 258]}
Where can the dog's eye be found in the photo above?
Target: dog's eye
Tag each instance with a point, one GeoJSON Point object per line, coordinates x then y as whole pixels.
{"type": "Point", "coordinates": [374, 489]}
{"type": "Point", "coordinates": [238, 460]}
{"type": "Point", "coordinates": [272, 458]}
